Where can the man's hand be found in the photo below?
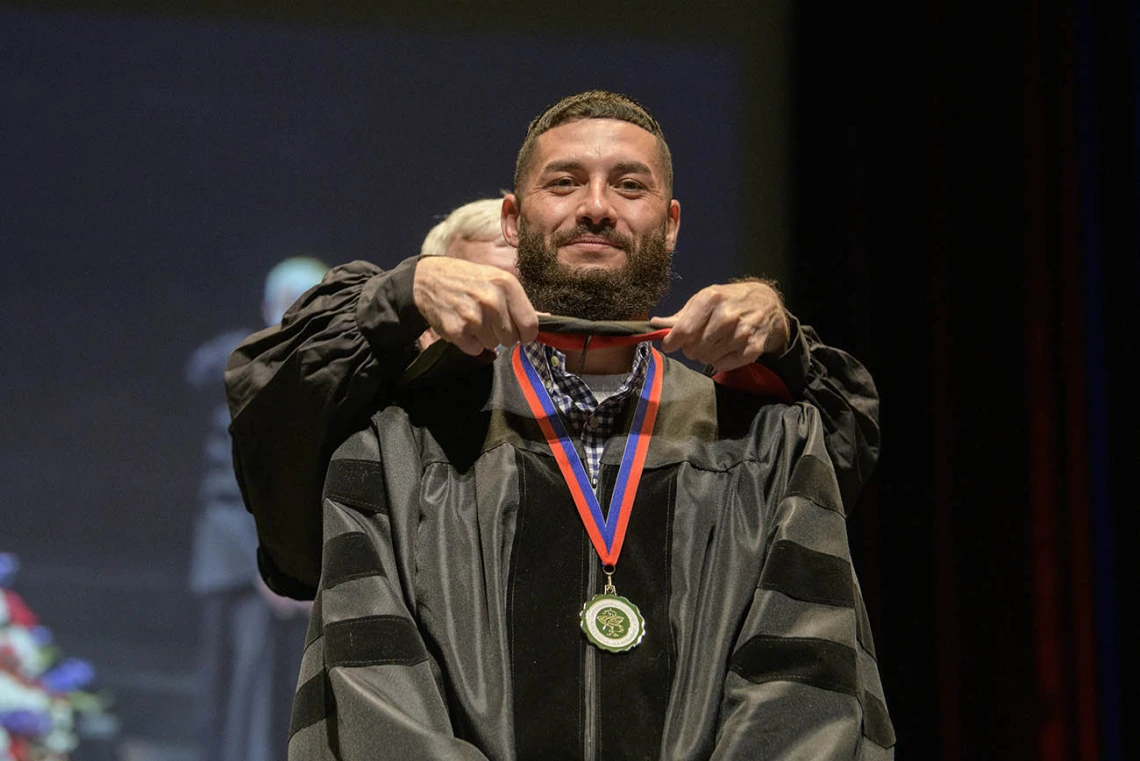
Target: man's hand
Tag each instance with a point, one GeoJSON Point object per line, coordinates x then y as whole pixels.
{"type": "Point", "coordinates": [728, 326]}
{"type": "Point", "coordinates": [474, 306]}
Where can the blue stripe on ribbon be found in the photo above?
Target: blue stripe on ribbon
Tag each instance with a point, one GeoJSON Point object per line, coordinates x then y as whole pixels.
{"type": "Point", "coordinates": [567, 447]}
{"type": "Point", "coordinates": [635, 433]}
{"type": "Point", "coordinates": [607, 525]}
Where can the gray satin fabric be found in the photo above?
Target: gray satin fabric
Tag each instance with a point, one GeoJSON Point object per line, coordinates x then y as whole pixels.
{"type": "Point", "coordinates": [445, 545]}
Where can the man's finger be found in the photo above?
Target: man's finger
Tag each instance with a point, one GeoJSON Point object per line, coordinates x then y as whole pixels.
{"type": "Point", "coordinates": [498, 317]}
{"type": "Point", "coordinates": [667, 343]}
{"type": "Point", "coordinates": [524, 320]}
{"type": "Point", "coordinates": [746, 355]}
{"type": "Point", "coordinates": [721, 330]}
{"type": "Point", "coordinates": [469, 345]}
{"type": "Point", "coordinates": [731, 362]}
{"type": "Point", "coordinates": [685, 324]}
{"type": "Point", "coordinates": [461, 330]}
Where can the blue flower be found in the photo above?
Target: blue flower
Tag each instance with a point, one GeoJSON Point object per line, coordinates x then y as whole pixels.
{"type": "Point", "coordinates": [8, 567]}
{"type": "Point", "coordinates": [26, 723]}
{"type": "Point", "coordinates": [70, 675]}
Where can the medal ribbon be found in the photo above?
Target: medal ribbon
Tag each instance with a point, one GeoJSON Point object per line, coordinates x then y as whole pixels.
{"type": "Point", "coordinates": [577, 341]}
{"type": "Point", "coordinates": [608, 532]}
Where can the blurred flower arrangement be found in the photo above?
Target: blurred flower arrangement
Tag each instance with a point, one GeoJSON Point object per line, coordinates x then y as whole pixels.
{"type": "Point", "coordinates": [43, 696]}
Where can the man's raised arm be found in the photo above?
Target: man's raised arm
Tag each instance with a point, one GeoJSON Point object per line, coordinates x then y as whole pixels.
{"type": "Point", "coordinates": [729, 326]}
{"type": "Point", "coordinates": [841, 388]}
{"type": "Point", "coordinates": [297, 390]}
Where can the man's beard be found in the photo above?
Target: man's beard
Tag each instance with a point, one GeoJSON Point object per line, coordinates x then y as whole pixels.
{"type": "Point", "coordinates": [591, 293]}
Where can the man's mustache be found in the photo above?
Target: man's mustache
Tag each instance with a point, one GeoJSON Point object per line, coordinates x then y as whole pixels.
{"type": "Point", "coordinates": [606, 232]}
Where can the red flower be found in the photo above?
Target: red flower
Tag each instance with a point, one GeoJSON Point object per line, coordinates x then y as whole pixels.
{"type": "Point", "coordinates": [18, 611]}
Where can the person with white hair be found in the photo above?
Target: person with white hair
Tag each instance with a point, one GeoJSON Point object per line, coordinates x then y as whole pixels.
{"type": "Point", "coordinates": [473, 232]}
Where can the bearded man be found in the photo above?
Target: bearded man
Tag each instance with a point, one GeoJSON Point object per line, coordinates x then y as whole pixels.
{"type": "Point", "coordinates": [573, 547]}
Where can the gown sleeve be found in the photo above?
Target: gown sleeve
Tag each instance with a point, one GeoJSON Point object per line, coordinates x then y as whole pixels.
{"type": "Point", "coordinates": [369, 689]}
{"type": "Point", "coordinates": [843, 392]}
{"type": "Point", "coordinates": [297, 389]}
{"type": "Point", "coordinates": [803, 679]}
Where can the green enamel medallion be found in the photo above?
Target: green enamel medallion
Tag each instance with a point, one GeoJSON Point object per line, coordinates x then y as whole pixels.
{"type": "Point", "coordinates": [612, 623]}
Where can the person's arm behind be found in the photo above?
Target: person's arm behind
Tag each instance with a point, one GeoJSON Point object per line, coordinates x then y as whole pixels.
{"type": "Point", "coordinates": [296, 390]}
{"type": "Point", "coordinates": [841, 388]}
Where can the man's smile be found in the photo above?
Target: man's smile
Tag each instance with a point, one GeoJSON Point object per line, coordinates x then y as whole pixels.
{"type": "Point", "coordinates": [593, 244]}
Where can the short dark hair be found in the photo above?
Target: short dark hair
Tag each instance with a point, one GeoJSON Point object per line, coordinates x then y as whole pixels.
{"type": "Point", "coordinates": [593, 104]}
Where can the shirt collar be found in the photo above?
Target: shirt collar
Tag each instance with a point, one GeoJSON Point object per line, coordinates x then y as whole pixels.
{"type": "Point", "coordinates": [550, 363]}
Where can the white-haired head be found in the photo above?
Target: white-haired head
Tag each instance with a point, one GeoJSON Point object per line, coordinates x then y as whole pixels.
{"type": "Point", "coordinates": [478, 220]}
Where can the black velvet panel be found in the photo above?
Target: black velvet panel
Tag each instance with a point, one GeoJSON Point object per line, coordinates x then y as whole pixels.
{"type": "Point", "coordinates": [357, 483]}
{"type": "Point", "coordinates": [807, 575]}
{"type": "Point", "coordinates": [373, 641]}
{"type": "Point", "coordinates": [633, 687]}
{"type": "Point", "coordinates": [309, 704]}
{"type": "Point", "coordinates": [735, 411]}
{"type": "Point", "coordinates": [546, 592]}
{"type": "Point", "coordinates": [809, 481]}
{"type": "Point", "coordinates": [818, 662]}
{"type": "Point", "coordinates": [450, 403]}
{"type": "Point", "coordinates": [347, 557]}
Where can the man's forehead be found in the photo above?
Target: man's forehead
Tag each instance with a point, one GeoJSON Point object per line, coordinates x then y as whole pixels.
{"type": "Point", "coordinates": [598, 138]}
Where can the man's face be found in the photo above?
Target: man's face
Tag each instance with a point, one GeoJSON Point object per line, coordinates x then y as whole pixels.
{"type": "Point", "coordinates": [594, 207]}
{"type": "Point", "coordinates": [492, 250]}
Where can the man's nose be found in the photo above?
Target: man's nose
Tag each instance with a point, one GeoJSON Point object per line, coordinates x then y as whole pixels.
{"type": "Point", "coordinates": [596, 208]}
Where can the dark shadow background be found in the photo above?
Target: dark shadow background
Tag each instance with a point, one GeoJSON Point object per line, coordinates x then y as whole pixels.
{"type": "Point", "coordinates": [949, 195]}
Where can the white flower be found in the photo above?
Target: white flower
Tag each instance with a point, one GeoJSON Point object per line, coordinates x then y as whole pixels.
{"type": "Point", "coordinates": [29, 655]}
{"type": "Point", "coordinates": [15, 696]}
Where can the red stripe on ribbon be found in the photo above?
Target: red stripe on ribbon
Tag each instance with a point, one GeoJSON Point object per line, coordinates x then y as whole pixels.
{"type": "Point", "coordinates": [639, 457]}
{"type": "Point", "coordinates": [559, 446]}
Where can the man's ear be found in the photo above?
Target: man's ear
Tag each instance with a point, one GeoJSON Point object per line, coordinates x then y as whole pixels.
{"type": "Point", "coordinates": [672, 224]}
{"type": "Point", "coordinates": [509, 217]}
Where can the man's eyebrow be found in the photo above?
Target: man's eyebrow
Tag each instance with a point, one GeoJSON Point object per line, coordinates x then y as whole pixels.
{"type": "Point", "coordinates": [572, 165]}
{"type": "Point", "coordinates": [632, 167]}
{"type": "Point", "coordinates": [563, 165]}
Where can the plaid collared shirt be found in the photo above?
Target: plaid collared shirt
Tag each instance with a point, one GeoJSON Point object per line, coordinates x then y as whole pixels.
{"type": "Point", "coordinates": [591, 422]}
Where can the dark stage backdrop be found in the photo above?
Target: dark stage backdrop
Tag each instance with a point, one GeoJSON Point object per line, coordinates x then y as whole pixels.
{"type": "Point", "coordinates": [958, 196]}
{"type": "Point", "coordinates": [154, 169]}
{"type": "Point", "coordinates": [968, 192]}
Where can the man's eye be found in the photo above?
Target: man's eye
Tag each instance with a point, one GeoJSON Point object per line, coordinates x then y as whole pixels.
{"type": "Point", "coordinates": [562, 182]}
{"type": "Point", "coordinates": [630, 186]}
